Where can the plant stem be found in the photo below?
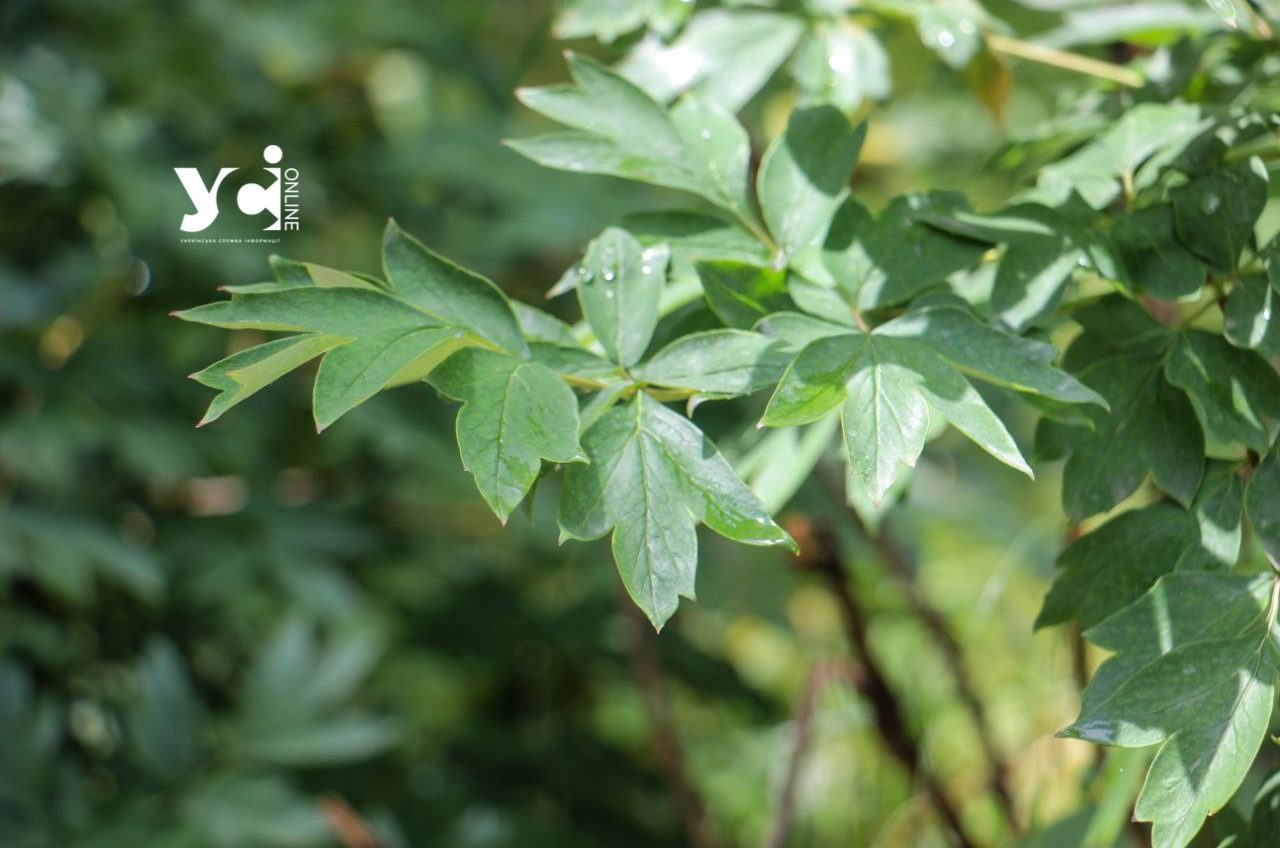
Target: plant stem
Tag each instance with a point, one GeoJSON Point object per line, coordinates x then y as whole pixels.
{"type": "Point", "coordinates": [900, 568]}
{"type": "Point", "coordinates": [1067, 61]}
{"type": "Point", "coordinates": [646, 671]}
{"type": "Point", "coordinates": [824, 558]}
{"type": "Point", "coordinates": [784, 817]}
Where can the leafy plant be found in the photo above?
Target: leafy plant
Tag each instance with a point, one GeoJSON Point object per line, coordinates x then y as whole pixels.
{"type": "Point", "coordinates": [1141, 250]}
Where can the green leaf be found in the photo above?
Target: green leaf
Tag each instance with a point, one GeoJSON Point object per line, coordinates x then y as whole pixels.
{"type": "Point", "coordinates": [1194, 671]}
{"type": "Point", "coordinates": [724, 55]}
{"type": "Point", "coordinates": [979, 349]}
{"type": "Point", "coordinates": [242, 374]}
{"type": "Point", "coordinates": [653, 476]}
{"type": "Point", "coordinates": [433, 284]}
{"type": "Point", "coordinates": [1215, 212]}
{"type": "Point", "coordinates": [370, 341]}
{"type": "Point", "coordinates": [890, 258]}
{"type": "Point", "coordinates": [804, 175]}
{"type": "Point", "coordinates": [887, 387]}
{"type": "Point", "coordinates": [842, 64]}
{"type": "Point", "coordinates": [604, 19]}
{"type": "Point", "coordinates": [1108, 569]}
{"type": "Point", "coordinates": [721, 362]}
{"type": "Point", "coordinates": [621, 131]}
{"type": "Point", "coordinates": [539, 326]}
{"type": "Point", "coordinates": [1094, 171]}
{"type": "Point", "coordinates": [166, 721]}
{"type": "Point", "coordinates": [1236, 393]}
{"type": "Point", "coordinates": [718, 151]}
{"type": "Point", "coordinates": [607, 106]}
{"type": "Point", "coordinates": [1151, 256]}
{"type": "Point", "coordinates": [354, 372]}
{"type": "Point", "coordinates": [345, 312]}
{"type": "Point", "coordinates": [1263, 503]}
{"type": "Point", "coordinates": [1031, 277]}
{"type": "Point", "coordinates": [618, 289]}
{"type": "Point", "coordinates": [514, 414]}
{"type": "Point", "coordinates": [1151, 426]}
{"type": "Point", "coordinates": [740, 294]}
{"type": "Point", "coordinates": [1247, 320]}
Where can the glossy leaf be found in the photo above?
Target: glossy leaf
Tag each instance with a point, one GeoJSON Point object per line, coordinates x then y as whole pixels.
{"type": "Point", "coordinates": [804, 175]}
{"type": "Point", "coordinates": [438, 287]}
{"type": "Point", "coordinates": [1235, 393]}
{"type": "Point", "coordinates": [653, 476]}
{"type": "Point", "coordinates": [619, 286]}
{"type": "Point", "coordinates": [1194, 672]}
{"type": "Point", "coordinates": [514, 415]}
{"type": "Point", "coordinates": [887, 388]}
{"type": "Point", "coordinates": [722, 362]}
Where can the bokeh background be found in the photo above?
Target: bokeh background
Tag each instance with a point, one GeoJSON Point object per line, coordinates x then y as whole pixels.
{"type": "Point", "coordinates": [248, 635]}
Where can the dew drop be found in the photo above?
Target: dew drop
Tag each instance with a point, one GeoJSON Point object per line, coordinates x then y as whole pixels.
{"type": "Point", "coordinates": [608, 275]}
{"type": "Point", "coordinates": [946, 39]}
{"type": "Point", "coordinates": [706, 135]}
{"type": "Point", "coordinates": [1210, 203]}
{"type": "Point", "coordinates": [646, 270]}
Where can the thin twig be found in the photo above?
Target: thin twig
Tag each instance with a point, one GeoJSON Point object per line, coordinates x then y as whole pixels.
{"type": "Point", "coordinates": [823, 556]}
{"type": "Point", "coordinates": [646, 671]}
{"type": "Point", "coordinates": [348, 827]}
{"type": "Point", "coordinates": [802, 732]}
{"type": "Point", "coordinates": [1065, 60]}
{"type": "Point", "coordinates": [900, 568]}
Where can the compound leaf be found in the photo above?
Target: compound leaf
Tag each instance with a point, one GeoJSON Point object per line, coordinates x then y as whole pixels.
{"type": "Point", "coordinates": [653, 476]}
{"type": "Point", "coordinates": [1194, 671]}
{"type": "Point", "coordinates": [514, 414]}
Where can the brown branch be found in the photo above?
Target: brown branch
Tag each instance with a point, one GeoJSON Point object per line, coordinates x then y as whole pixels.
{"type": "Point", "coordinates": [900, 568]}
{"type": "Point", "coordinates": [820, 553]}
{"type": "Point", "coordinates": [646, 671]}
{"type": "Point", "coordinates": [348, 827]}
{"type": "Point", "coordinates": [802, 732]}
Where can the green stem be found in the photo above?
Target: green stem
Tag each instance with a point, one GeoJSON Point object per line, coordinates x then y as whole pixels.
{"type": "Point", "coordinates": [1067, 61]}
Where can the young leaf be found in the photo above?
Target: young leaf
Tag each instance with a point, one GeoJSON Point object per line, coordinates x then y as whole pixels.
{"type": "Point", "coordinates": [721, 362]}
{"type": "Point", "coordinates": [1194, 671]}
{"type": "Point", "coordinates": [1236, 393]}
{"type": "Point", "coordinates": [805, 174]}
{"type": "Point", "coordinates": [618, 289]}
{"type": "Point", "coordinates": [653, 476]}
{"type": "Point", "coordinates": [887, 387]}
{"type": "Point", "coordinates": [514, 414]}
{"type": "Point", "coordinates": [435, 285]}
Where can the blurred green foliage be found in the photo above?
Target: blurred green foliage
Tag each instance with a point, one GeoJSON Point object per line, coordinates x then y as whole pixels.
{"type": "Point", "coordinates": [244, 636]}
